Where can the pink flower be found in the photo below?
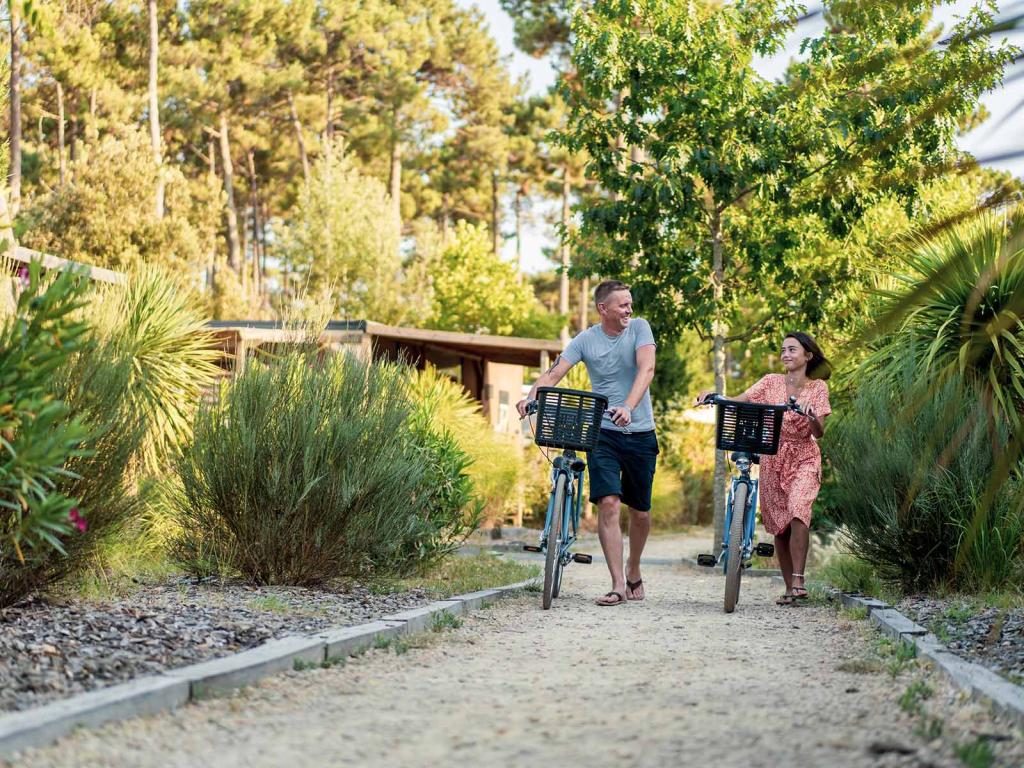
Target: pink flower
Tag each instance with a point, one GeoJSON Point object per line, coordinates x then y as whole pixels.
{"type": "Point", "coordinates": [23, 276]}
{"type": "Point", "coordinates": [77, 520]}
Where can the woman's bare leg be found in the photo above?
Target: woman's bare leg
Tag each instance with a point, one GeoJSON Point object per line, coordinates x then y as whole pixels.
{"type": "Point", "coordinates": [799, 540]}
{"type": "Point", "coordinates": [782, 543]}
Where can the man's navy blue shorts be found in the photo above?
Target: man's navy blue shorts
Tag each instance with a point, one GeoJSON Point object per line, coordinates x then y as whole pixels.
{"type": "Point", "coordinates": [622, 464]}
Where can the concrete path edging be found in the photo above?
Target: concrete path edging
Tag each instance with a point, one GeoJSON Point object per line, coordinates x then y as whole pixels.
{"type": "Point", "coordinates": [176, 687]}
{"type": "Point", "coordinates": [981, 683]}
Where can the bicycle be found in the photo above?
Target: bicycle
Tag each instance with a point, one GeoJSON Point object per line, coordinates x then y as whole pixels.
{"type": "Point", "coordinates": [749, 430]}
{"type": "Point", "coordinates": [569, 419]}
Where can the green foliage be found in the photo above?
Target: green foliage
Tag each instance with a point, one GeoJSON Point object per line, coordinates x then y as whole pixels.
{"type": "Point", "coordinates": [138, 381]}
{"type": "Point", "coordinates": [911, 700]}
{"type": "Point", "coordinates": [851, 574]}
{"type": "Point", "coordinates": [724, 189]}
{"type": "Point", "coordinates": [303, 471]}
{"type": "Point", "coordinates": [957, 307]}
{"type": "Point", "coordinates": [106, 217]}
{"type": "Point", "coordinates": [39, 432]}
{"type": "Point", "coordinates": [475, 291]}
{"type": "Point", "coordinates": [155, 325]}
{"type": "Point", "coordinates": [976, 754]}
{"type": "Point", "coordinates": [497, 467]}
{"type": "Point", "coordinates": [344, 239]}
{"type": "Point", "coordinates": [461, 575]}
{"type": "Point", "coordinates": [912, 462]}
{"type": "Point", "coordinates": [688, 455]}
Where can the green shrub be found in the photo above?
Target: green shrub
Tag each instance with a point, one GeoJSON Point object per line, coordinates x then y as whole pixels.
{"type": "Point", "coordinates": [304, 470]}
{"type": "Point", "coordinates": [137, 382]}
{"type": "Point", "coordinates": [502, 475]}
{"type": "Point", "coordinates": [39, 432]}
{"type": "Point", "coordinates": [684, 483]}
{"type": "Point", "coordinates": [915, 480]}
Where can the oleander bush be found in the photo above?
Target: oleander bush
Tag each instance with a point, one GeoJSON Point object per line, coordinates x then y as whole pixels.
{"type": "Point", "coordinates": [135, 380]}
{"type": "Point", "coordinates": [40, 434]}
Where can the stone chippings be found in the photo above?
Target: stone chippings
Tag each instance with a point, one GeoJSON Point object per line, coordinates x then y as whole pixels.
{"type": "Point", "coordinates": [989, 636]}
{"type": "Point", "coordinates": [52, 649]}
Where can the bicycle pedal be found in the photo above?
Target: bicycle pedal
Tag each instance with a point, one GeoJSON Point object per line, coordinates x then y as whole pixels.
{"type": "Point", "coordinates": [530, 548]}
{"type": "Point", "coordinates": [579, 557]}
{"type": "Point", "coordinates": [708, 561]}
{"type": "Point", "coordinates": [765, 550]}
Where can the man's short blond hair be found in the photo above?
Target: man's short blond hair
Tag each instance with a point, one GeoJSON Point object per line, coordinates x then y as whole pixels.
{"type": "Point", "coordinates": [607, 288]}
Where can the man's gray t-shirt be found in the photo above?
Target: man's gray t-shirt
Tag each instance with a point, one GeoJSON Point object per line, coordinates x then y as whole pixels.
{"type": "Point", "coordinates": [611, 363]}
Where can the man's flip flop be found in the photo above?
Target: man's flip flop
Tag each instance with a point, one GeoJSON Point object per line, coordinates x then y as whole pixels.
{"type": "Point", "coordinates": [605, 603]}
{"type": "Point", "coordinates": [632, 586]}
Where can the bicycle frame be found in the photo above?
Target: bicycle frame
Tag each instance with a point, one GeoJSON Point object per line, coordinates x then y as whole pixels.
{"type": "Point", "coordinates": [565, 465]}
{"type": "Point", "coordinates": [743, 463]}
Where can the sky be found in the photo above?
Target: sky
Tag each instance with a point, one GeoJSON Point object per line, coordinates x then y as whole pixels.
{"type": "Point", "coordinates": [991, 139]}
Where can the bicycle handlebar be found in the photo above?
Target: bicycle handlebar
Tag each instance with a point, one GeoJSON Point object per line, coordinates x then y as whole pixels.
{"type": "Point", "coordinates": [713, 397]}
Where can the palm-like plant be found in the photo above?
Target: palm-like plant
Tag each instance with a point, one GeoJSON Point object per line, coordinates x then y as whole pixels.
{"type": "Point", "coordinates": [959, 309]}
{"type": "Point", "coordinates": [155, 327]}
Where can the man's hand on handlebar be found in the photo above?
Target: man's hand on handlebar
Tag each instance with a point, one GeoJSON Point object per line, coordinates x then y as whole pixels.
{"type": "Point", "coordinates": [525, 407]}
{"type": "Point", "coordinates": [621, 415]}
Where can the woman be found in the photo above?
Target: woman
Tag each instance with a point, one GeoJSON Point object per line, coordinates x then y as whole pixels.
{"type": "Point", "coordinates": [790, 480]}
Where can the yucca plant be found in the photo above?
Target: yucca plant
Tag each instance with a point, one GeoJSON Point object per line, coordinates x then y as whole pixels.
{"type": "Point", "coordinates": [958, 309]}
{"type": "Point", "coordinates": [156, 327]}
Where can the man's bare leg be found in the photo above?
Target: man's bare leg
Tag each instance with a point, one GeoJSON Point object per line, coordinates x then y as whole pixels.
{"type": "Point", "coordinates": [639, 528]}
{"type": "Point", "coordinates": [608, 510]}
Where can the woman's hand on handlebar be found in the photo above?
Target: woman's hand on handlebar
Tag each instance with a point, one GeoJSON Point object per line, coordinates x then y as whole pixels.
{"type": "Point", "coordinates": [706, 397]}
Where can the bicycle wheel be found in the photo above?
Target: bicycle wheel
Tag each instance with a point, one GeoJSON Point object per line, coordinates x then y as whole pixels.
{"type": "Point", "coordinates": [559, 566]}
{"type": "Point", "coordinates": [553, 562]}
{"type": "Point", "coordinates": [734, 561]}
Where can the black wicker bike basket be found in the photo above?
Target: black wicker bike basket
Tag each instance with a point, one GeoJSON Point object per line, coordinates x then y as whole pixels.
{"type": "Point", "coordinates": [749, 427]}
{"type": "Point", "coordinates": [569, 418]}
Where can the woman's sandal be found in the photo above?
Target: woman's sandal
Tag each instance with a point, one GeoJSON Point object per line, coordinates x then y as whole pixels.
{"type": "Point", "coordinates": [799, 593]}
{"type": "Point", "coordinates": [604, 602]}
{"type": "Point", "coordinates": [786, 599]}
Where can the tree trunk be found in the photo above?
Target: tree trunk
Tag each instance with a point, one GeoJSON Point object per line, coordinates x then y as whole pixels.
{"type": "Point", "coordinates": [299, 139]}
{"type": "Point", "coordinates": [495, 214]}
{"type": "Point", "coordinates": [254, 204]}
{"type": "Point", "coordinates": [329, 125]}
{"type": "Point", "coordinates": [61, 160]}
{"type": "Point", "coordinates": [73, 149]}
{"type": "Point", "coordinates": [154, 106]}
{"type": "Point", "coordinates": [15, 137]}
{"type": "Point", "coordinates": [395, 182]}
{"type": "Point", "coordinates": [584, 303]}
{"type": "Point", "coordinates": [563, 280]}
{"type": "Point", "coordinates": [519, 232]}
{"type": "Point", "coordinates": [718, 364]}
{"type": "Point", "coordinates": [231, 212]}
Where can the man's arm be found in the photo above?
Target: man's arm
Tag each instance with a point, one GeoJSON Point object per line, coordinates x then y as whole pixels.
{"type": "Point", "coordinates": [645, 356]}
{"type": "Point", "coordinates": [549, 378]}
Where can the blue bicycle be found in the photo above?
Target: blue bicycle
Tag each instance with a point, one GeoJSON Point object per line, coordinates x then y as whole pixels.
{"type": "Point", "coordinates": [749, 430]}
{"type": "Point", "coordinates": [569, 419]}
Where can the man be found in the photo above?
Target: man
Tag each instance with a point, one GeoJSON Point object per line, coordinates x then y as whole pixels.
{"type": "Point", "coordinates": [619, 356]}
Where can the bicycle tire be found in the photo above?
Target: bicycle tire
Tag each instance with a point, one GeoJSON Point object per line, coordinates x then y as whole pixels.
{"type": "Point", "coordinates": [734, 561]}
{"type": "Point", "coordinates": [552, 561]}
{"type": "Point", "coordinates": [560, 567]}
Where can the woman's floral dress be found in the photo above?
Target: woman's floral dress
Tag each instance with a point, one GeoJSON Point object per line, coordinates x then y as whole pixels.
{"type": "Point", "coordinates": [790, 480]}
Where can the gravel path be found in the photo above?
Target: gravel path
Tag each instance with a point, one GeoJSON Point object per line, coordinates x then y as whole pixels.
{"type": "Point", "coordinates": [669, 681]}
